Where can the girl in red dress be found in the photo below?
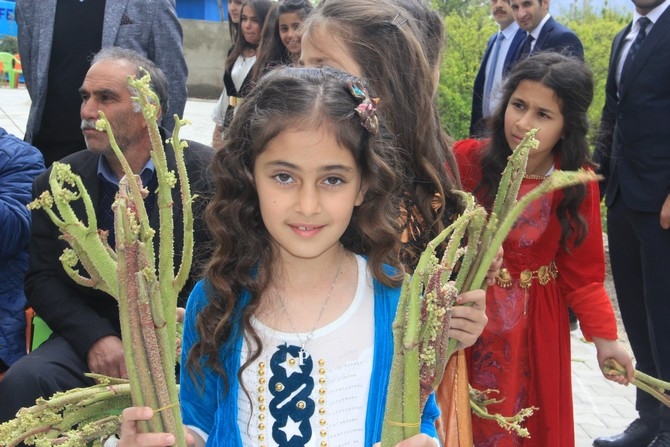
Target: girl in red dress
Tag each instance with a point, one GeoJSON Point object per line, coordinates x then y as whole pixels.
{"type": "Point", "coordinates": [553, 258]}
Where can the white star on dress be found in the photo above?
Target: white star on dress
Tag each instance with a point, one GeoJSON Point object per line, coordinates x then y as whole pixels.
{"type": "Point", "coordinates": [291, 429]}
{"type": "Point", "coordinates": [290, 365]}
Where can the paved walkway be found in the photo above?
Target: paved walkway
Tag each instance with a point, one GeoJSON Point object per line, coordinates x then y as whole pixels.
{"type": "Point", "coordinates": [601, 407]}
{"type": "Point", "coordinates": [15, 105]}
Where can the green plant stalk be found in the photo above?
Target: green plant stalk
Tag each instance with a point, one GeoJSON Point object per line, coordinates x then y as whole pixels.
{"type": "Point", "coordinates": [485, 254]}
{"type": "Point", "coordinates": [97, 258]}
{"type": "Point", "coordinates": [155, 333]}
{"type": "Point", "coordinates": [137, 361]}
{"type": "Point", "coordinates": [159, 377]}
{"type": "Point", "coordinates": [49, 418]}
{"type": "Point", "coordinates": [484, 235]}
{"type": "Point", "coordinates": [393, 428]}
{"type": "Point", "coordinates": [127, 247]}
{"type": "Point", "coordinates": [655, 387]}
{"type": "Point", "coordinates": [147, 303]}
{"type": "Point", "coordinates": [134, 193]}
{"type": "Point", "coordinates": [475, 232]}
{"type": "Point", "coordinates": [513, 173]}
{"type": "Point", "coordinates": [557, 180]}
{"type": "Point", "coordinates": [410, 358]}
{"type": "Point", "coordinates": [87, 434]}
{"type": "Point", "coordinates": [163, 337]}
{"type": "Point", "coordinates": [509, 423]}
{"type": "Point", "coordinates": [134, 236]}
{"type": "Point", "coordinates": [165, 317]}
{"type": "Point", "coordinates": [403, 409]}
{"type": "Point", "coordinates": [187, 209]}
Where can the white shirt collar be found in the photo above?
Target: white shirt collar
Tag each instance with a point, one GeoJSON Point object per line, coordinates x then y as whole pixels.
{"type": "Point", "coordinates": [538, 29]}
{"type": "Point", "coordinates": [653, 15]}
{"type": "Point", "coordinates": [510, 31]}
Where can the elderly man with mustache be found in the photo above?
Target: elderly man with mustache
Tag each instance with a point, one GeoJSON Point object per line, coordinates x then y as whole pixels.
{"type": "Point", "coordinates": [85, 322]}
{"type": "Point", "coordinates": [497, 61]}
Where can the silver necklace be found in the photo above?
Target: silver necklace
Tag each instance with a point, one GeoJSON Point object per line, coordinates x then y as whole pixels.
{"type": "Point", "coordinates": [302, 355]}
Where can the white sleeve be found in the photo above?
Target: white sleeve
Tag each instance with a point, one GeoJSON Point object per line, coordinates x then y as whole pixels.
{"type": "Point", "coordinates": [219, 112]}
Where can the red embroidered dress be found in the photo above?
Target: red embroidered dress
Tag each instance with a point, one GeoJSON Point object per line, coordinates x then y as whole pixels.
{"type": "Point", "coordinates": [524, 351]}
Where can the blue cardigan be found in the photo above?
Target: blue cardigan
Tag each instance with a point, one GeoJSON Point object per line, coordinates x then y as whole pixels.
{"type": "Point", "coordinates": [215, 410]}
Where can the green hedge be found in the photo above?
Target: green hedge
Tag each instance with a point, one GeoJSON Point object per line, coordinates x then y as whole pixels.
{"type": "Point", "coordinates": [468, 30]}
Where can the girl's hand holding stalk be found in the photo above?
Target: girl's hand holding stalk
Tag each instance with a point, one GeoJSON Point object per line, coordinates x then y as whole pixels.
{"type": "Point", "coordinates": [612, 349]}
{"type": "Point", "coordinates": [468, 322]}
{"type": "Point", "coordinates": [655, 387]}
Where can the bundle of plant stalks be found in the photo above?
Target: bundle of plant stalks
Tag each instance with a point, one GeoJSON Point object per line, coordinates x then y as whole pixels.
{"type": "Point", "coordinates": [422, 345]}
{"type": "Point", "coordinates": [144, 284]}
{"type": "Point", "coordinates": [657, 388]}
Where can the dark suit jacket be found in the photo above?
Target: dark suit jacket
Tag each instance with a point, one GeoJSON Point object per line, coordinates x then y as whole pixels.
{"type": "Point", "coordinates": [556, 37]}
{"type": "Point", "coordinates": [477, 124]}
{"type": "Point", "coordinates": [83, 315]}
{"type": "Point", "coordinates": [633, 144]}
{"type": "Point", "coordinates": [150, 27]}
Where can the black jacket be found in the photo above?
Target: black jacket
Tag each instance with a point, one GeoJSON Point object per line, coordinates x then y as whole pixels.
{"type": "Point", "coordinates": [83, 315]}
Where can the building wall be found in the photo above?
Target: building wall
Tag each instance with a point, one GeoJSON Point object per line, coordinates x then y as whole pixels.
{"type": "Point", "coordinates": [206, 45]}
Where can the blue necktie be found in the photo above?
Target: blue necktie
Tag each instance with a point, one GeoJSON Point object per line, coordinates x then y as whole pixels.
{"type": "Point", "coordinates": [492, 71]}
{"type": "Point", "coordinates": [643, 22]}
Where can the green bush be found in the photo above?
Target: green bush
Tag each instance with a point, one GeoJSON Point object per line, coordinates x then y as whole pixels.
{"type": "Point", "coordinates": [468, 30]}
{"type": "Point", "coordinates": [9, 44]}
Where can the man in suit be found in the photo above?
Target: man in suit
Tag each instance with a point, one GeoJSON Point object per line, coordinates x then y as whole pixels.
{"type": "Point", "coordinates": [543, 33]}
{"type": "Point", "coordinates": [57, 39]}
{"type": "Point", "coordinates": [497, 61]}
{"type": "Point", "coordinates": [85, 321]}
{"type": "Point", "coordinates": [633, 150]}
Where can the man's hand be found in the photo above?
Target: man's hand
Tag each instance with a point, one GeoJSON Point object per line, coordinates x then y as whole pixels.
{"type": "Point", "coordinates": [106, 357]}
{"type": "Point", "coordinates": [131, 437]}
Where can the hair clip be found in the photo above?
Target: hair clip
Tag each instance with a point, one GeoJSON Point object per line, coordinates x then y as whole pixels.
{"type": "Point", "coordinates": [398, 24]}
{"type": "Point", "coordinates": [367, 109]}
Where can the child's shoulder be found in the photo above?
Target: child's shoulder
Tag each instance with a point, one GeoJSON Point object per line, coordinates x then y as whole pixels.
{"type": "Point", "coordinates": [468, 155]}
{"type": "Point", "coordinates": [199, 296]}
{"type": "Point", "coordinates": [468, 152]}
{"type": "Point", "coordinates": [469, 145]}
{"type": "Point", "coordinates": [387, 269]}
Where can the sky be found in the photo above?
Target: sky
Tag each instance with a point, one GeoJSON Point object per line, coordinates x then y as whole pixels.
{"type": "Point", "coordinates": [562, 6]}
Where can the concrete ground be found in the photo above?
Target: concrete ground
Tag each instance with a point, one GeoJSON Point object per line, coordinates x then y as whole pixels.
{"type": "Point", "coordinates": [601, 407]}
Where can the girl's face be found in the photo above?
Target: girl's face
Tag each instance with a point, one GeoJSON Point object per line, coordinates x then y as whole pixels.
{"type": "Point", "coordinates": [322, 50]}
{"type": "Point", "coordinates": [534, 106]}
{"type": "Point", "coordinates": [234, 9]}
{"type": "Point", "coordinates": [289, 31]}
{"type": "Point", "coordinates": [308, 186]}
{"type": "Point", "coordinates": [250, 25]}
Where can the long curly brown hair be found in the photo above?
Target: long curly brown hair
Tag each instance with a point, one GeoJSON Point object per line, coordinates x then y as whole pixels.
{"type": "Point", "coordinates": [572, 82]}
{"type": "Point", "coordinates": [387, 44]}
{"type": "Point", "coordinates": [287, 99]}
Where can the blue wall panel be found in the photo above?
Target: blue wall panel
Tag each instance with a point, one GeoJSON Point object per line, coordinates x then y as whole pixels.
{"type": "Point", "coordinates": [7, 22]}
{"type": "Point", "coordinates": [201, 9]}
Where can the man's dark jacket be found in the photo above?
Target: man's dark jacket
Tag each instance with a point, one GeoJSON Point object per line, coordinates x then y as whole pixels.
{"type": "Point", "coordinates": [83, 315]}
